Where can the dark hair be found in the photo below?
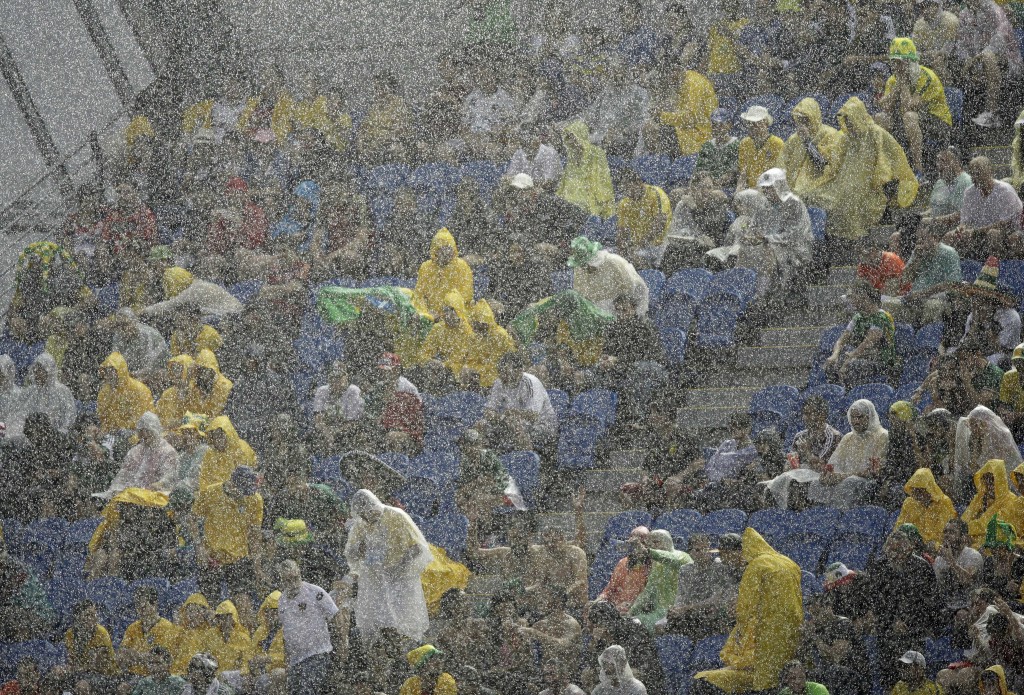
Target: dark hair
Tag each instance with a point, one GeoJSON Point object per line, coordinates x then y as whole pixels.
{"type": "Point", "coordinates": [82, 606]}
{"type": "Point", "coordinates": [161, 652]}
{"type": "Point", "coordinates": [512, 360]}
{"type": "Point", "coordinates": [960, 525]}
{"type": "Point", "coordinates": [730, 541]}
{"type": "Point", "coordinates": [997, 625]}
{"type": "Point", "coordinates": [448, 598]}
{"type": "Point", "coordinates": [148, 594]}
{"type": "Point", "coordinates": [816, 404]}
{"type": "Point", "coordinates": [955, 153]}
{"type": "Point", "coordinates": [868, 291]}
{"type": "Point", "coordinates": [738, 420]}
{"type": "Point", "coordinates": [790, 665]}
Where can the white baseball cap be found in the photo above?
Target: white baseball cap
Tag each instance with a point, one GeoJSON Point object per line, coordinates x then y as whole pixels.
{"type": "Point", "coordinates": [913, 658]}
{"type": "Point", "coordinates": [523, 182]}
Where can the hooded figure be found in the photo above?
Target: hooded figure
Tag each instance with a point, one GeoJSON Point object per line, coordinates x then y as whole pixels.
{"type": "Point", "coordinates": [930, 517]}
{"type": "Point", "coordinates": [602, 277]}
{"type": "Point", "coordinates": [233, 650]}
{"type": "Point", "coordinates": [174, 401]}
{"type": "Point", "coordinates": [1017, 154]}
{"type": "Point", "coordinates": [981, 437]}
{"type": "Point", "coordinates": [856, 460]}
{"type": "Point", "coordinates": [47, 395]}
{"type": "Point", "coordinates": [196, 634]}
{"type": "Point", "coordinates": [224, 455]}
{"type": "Point", "coordinates": [803, 161]}
{"type": "Point", "coordinates": [268, 640]}
{"type": "Point", "coordinates": [490, 342]}
{"type": "Point", "coordinates": [769, 615]}
{"type": "Point", "coordinates": [586, 181]}
{"type": "Point", "coordinates": [148, 463]}
{"type": "Point", "coordinates": [993, 497]}
{"type": "Point", "coordinates": [141, 345]}
{"type": "Point", "coordinates": [445, 272]}
{"type": "Point", "coordinates": [865, 159]}
{"type": "Point", "coordinates": [1001, 674]}
{"type": "Point", "coordinates": [450, 343]}
{"type": "Point", "coordinates": [296, 227]}
{"type": "Point", "coordinates": [388, 553]}
{"type": "Point", "coordinates": [122, 399]}
{"type": "Point", "coordinates": [616, 676]}
{"type": "Point", "coordinates": [182, 290]}
{"type": "Point", "coordinates": [11, 411]}
{"type": "Point", "coordinates": [659, 594]}
{"type": "Point", "coordinates": [746, 204]}
{"type": "Point", "coordinates": [210, 388]}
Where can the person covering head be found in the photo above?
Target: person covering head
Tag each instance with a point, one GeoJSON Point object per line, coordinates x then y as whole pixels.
{"type": "Point", "coordinates": [227, 452]}
{"type": "Point", "coordinates": [268, 640]}
{"type": "Point", "coordinates": [445, 272]}
{"type": "Point", "coordinates": [421, 655]}
{"type": "Point", "coordinates": [232, 645]}
{"type": "Point", "coordinates": [981, 437]}
{"type": "Point", "coordinates": [176, 280]}
{"type": "Point", "coordinates": [927, 507]}
{"type": "Point", "coordinates": [808, 149]}
{"type": "Point", "coordinates": [586, 180]}
{"type": "Point", "coordinates": [122, 398]}
{"type": "Point", "coordinates": [659, 593]}
{"type": "Point", "coordinates": [450, 340]}
{"type": "Point", "coordinates": [583, 252]}
{"type": "Point", "coordinates": [866, 443]}
{"type": "Point", "coordinates": [195, 632]}
{"type": "Point", "coordinates": [769, 615]}
{"type": "Point", "coordinates": [999, 534]}
{"type": "Point", "coordinates": [775, 178]}
{"type": "Point", "coordinates": [211, 389]}
{"type": "Point", "coordinates": [490, 342]}
{"type": "Point", "coordinates": [46, 394]}
{"type": "Point", "coordinates": [903, 48]}
{"type": "Point", "coordinates": [902, 411]}
{"type": "Point", "coordinates": [616, 676]}
{"type": "Point", "coordinates": [992, 497]}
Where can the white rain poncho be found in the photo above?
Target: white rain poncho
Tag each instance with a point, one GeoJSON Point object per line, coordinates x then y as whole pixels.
{"type": "Point", "coordinates": [388, 553]}
{"type": "Point", "coordinates": [612, 277]}
{"type": "Point", "coordinates": [50, 397]}
{"type": "Point", "coordinates": [995, 441]}
{"type": "Point", "coordinates": [11, 412]}
{"type": "Point", "coordinates": [623, 682]}
{"type": "Point", "coordinates": [146, 466]}
{"type": "Point", "coordinates": [858, 457]}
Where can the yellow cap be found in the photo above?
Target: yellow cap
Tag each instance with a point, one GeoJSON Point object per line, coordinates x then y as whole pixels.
{"type": "Point", "coordinates": [902, 48]}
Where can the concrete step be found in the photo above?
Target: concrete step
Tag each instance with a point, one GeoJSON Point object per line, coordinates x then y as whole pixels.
{"type": "Point", "coordinates": [841, 275]}
{"type": "Point", "coordinates": [608, 480]}
{"type": "Point", "coordinates": [728, 376]}
{"type": "Point", "coordinates": [484, 584]}
{"type": "Point", "coordinates": [816, 318]}
{"type": "Point", "coordinates": [826, 297]}
{"type": "Point", "coordinates": [789, 336]}
{"type": "Point", "coordinates": [692, 419]}
{"type": "Point", "coordinates": [738, 396]}
{"type": "Point", "coordinates": [767, 358]}
{"type": "Point", "coordinates": [626, 458]}
{"type": "Point", "coordinates": [593, 522]}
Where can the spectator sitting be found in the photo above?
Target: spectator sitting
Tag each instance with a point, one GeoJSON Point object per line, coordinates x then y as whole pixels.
{"type": "Point", "coordinates": [1011, 394]}
{"type": "Point", "coordinates": [718, 157]}
{"type": "Point", "coordinates": [985, 50]}
{"type": "Point", "coordinates": [989, 222]}
{"type": "Point", "coordinates": [445, 272]}
{"type": "Point", "coordinates": [808, 149]}
{"type": "Point", "coordinates": [557, 633]}
{"type": "Point", "coordinates": [428, 667]}
{"type": "Point", "coordinates": [700, 222]}
{"type": "Point", "coordinates": [913, 680]}
{"type": "Point", "coordinates": [882, 269]}
{"type": "Point", "coordinates": [957, 566]}
{"type": "Point", "coordinates": [586, 181]}
{"type": "Point", "coordinates": [705, 601]}
{"type": "Point", "coordinates": [927, 507]}
{"type": "Point", "coordinates": [793, 679]}
{"type": "Point", "coordinates": [934, 35]}
{"type": "Point", "coordinates": [850, 474]}
{"type": "Point", "coordinates": [518, 410]}
{"type": "Point", "coordinates": [867, 348]}
{"type": "Point", "coordinates": [616, 676]}
{"type": "Point", "coordinates": [630, 574]}
{"type": "Point", "coordinates": [992, 499]}
{"type": "Point", "coordinates": [160, 681]}
{"type": "Point", "coordinates": [644, 215]}
{"type": "Point", "coordinates": [659, 592]}
{"type": "Point", "coordinates": [727, 463]}
{"type": "Point", "coordinates": [952, 183]}
{"type": "Point", "coordinates": [602, 277]}
{"type": "Point", "coordinates": [122, 399]}
{"type": "Point", "coordinates": [933, 268]}
{"type": "Point", "coordinates": [813, 448]}
{"type": "Point", "coordinates": [993, 324]}
{"type": "Point", "coordinates": [760, 150]}
{"type": "Point", "coordinates": [556, 679]}
{"type": "Point", "coordinates": [1003, 571]}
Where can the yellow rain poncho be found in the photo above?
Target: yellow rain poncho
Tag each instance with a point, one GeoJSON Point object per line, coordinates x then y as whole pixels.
{"type": "Point", "coordinates": [1003, 688]}
{"type": "Point", "coordinates": [802, 175]}
{"type": "Point", "coordinates": [120, 406]}
{"type": "Point", "coordinates": [769, 615]}
{"type": "Point", "coordinates": [175, 281]}
{"type": "Point", "coordinates": [231, 653]}
{"type": "Point", "coordinates": [192, 640]}
{"type": "Point", "coordinates": [112, 512]}
{"type": "Point", "coordinates": [442, 574]}
{"type": "Point", "coordinates": [210, 404]}
{"type": "Point", "coordinates": [450, 344]}
{"type": "Point", "coordinates": [207, 339]}
{"type": "Point", "coordinates": [217, 466]}
{"type": "Point", "coordinates": [865, 159]}
{"type": "Point", "coordinates": [486, 348]}
{"type": "Point", "coordinates": [1017, 154]}
{"type": "Point", "coordinates": [929, 520]}
{"type": "Point", "coordinates": [139, 127]}
{"type": "Point", "coordinates": [263, 642]}
{"type": "Point", "coordinates": [444, 684]}
{"type": "Point", "coordinates": [280, 117]}
{"type": "Point", "coordinates": [692, 117]}
{"type": "Point", "coordinates": [174, 401]}
{"type": "Point", "coordinates": [434, 281]}
{"type": "Point", "coordinates": [981, 510]}
{"type": "Point", "coordinates": [200, 115]}
{"type": "Point", "coordinates": [586, 181]}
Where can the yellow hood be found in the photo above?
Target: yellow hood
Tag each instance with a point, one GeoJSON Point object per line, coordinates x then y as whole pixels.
{"type": "Point", "coordinates": [923, 479]}
{"type": "Point", "coordinates": [755, 546]}
{"type": "Point", "coordinates": [443, 238]}
{"type": "Point", "coordinates": [1001, 483]}
{"type": "Point", "coordinates": [228, 608]}
{"type": "Point", "coordinates": [196, 599]}
{"type": "Point", "coordinates": [576, 131]}
{"type": "Point", "coordinates": [112, 515]}
{"type": "Point", "coordinates": [117, 361]}
{"type": "Point", "coordinates": [1018, 478]}
{"type": "Point", "coordinates": [206, 358]}
{"type": "Point", "coordinates": [998, 670]}
{"type": "Point", "coordinates": [176, 281]}
{"type": "Point", "coordinates": [481, 312]}
{"type": "Point", "coordinates": [223, 423]}
{"type": "Point", "coordinates": [811, 110]}
{"type": "Point", "coordinates": [454, 300]}
{"type": "Point", "coordinates": [186, 362]}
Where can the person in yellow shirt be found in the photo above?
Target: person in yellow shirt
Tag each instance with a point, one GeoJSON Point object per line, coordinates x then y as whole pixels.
{"type": "Point", "coordinates": [586, 179]}
{"type": "Point", "coordinates": [927, 507]}
{"type": "Point", "coordinates": [760, 150]}
{"type": "Point", "coordinates": [1011, 394]}
{"type": "Point", "coordinates": [190, 335]}
{"type": "Point", "coordinates": [174, 401]}
{"type": "Point", "coordinates": [490, 342]}
{"type": "Point", "coordinates": [231, 643]}
{"type": "Point", "coordinates": [268, 640]}
{"type": "Point", "coordinates": [450, 339]}
{"type": "Point", "coordinates": [697, 101]}
{"type": "Point", "coordinates": [196, 633]}
{"type": "Point", "coordinates": [934, 34]}
{"type": "Point", "coordinates": [90, 650]}
{"type": "Point", "coordinates": [644, 215]}
{"type": "Point", "coordinates": [445, 272]}
{"type": "Point", "coordinates": [227, 452]}
{"type": "Point", "coordinates": [122, 398]}
{"type": "Point", "coordinates": [210, 388]}
{"type": "Point", "coordinates": [808, 150]}
{"type": "Point", "coordinates": [724, 43]}
{"type": "Point", "coordinates": [429, 676]}
{"type": "Point", "coordinates": [230, 547]}
{"type": "Point", "coordinates": [149, 631]}
{"type": "Point", "coordinates": [914, 107]}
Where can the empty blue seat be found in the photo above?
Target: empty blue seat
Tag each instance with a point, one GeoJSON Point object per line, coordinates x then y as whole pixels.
{"type": "Point", "coordinates": [675, 311]}
{"type": "Point", "coordinates": [560, 402]}
{"type": "Point", "coordinates": [822, 521]}
{"type": "Point", "coordinates": [809, 585]}
{"type": "Point", "coordinates": [681, 170]}
{"type": "Point", "coordinates": [486, 174]}
{"type": "Point", "coordinates": [868, 521]}
{"type": "Point", "coordinates": [692, 282]}
{"type": "Point", "coordinates": [524, 467]}
{"type": "Point", "coordinates": [601, 568]}
{"type": "Point", "coordinates": [939, 652]}
{"type": "Point", "coordinates": [955, 101]}
{"type": "Point", "coordinates": [681, 523]}
{"type": "Point", "coordinates": [46, 654]}
{"type": "Point", "coordinates": [739, 281]}
{"type": "Point", "coordinates": [772, 524]}
{"type": "Point", "coordinates": [723, 521]}
{"type": "Point", "coordinates": [673, 342]}
{"type": "Point", "coordinates": [440, 466]}
{"type": "Point", "coordinates": [599, 404]}
{"type": "Point", "coordinates": [818, 219]}
{"type": "Point", "coordinates": [622, 524]}
{"type": "Point", "coordinates": [655, 280]}
{"type": "Point", "coordinates": [674, 653]}
{"type": "Point", "coordinates": [780, 399]}
{"type": "Point", "coordinates": [905, 339]}
{"type": "Point", "coordinates": [653, 168]}
{"type": "Point", "coordinates": [599, 229]}
{"type": "Point", "coordinates": [398, 462]}
{"type": "Point", "coordinates": [420, 496]}
{"type": "Point", "coordinates": [969, 269]}
{"type": "Point", "coordinates": [829, 339]}
{"type": "Point", "coordinates": [915, 370]}
{"type": "Point", "coordinates": [447, 531]}
{"type": "Point", "coordinates": [929, 338]}
{"type": "Point", "coordinates": [804, 549]}
{"type": "Point", "coordinates": [178, 594]}
{"type": "Point", "coordinates": [325, 467]}
{"type": "Point", "coordinates": [108, 298]}
{"type": "Point", "coordinates": [717, 318]}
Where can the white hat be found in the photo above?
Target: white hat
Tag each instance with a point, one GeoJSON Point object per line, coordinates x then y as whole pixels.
{"type": "Point", "coordinates": [757, 113]}
{"type": "Point", "coordinates": [914, 658]}
{"type": "Point", "coordinates": [523, 182]}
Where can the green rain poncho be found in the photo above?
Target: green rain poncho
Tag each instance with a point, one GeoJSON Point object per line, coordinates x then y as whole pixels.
{"type": "Point", "coordinates": [659, 593]}
{"type": "Point", "coordinates": [582, 318]}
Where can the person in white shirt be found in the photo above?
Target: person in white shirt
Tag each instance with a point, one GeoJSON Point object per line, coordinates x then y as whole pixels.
{"type": "Point", "coordinates": [991, 313]}
{"type": "Point", "coordinates": [489, 111]}
{"type": "Point", "coordinates": [520, 412]}
{"type": "Point", "coordinates": [306, 612]}
{"type": "Point", "coordinates": [989, 220]}
{"type": "Point", "coordinates": [201, 677]}
{"type": "Point", "coordinates": [338, 406]}
{"type": "Point", "coordinates": [957, 565]}
{"type": "Point", "coordinates": [602, 277]}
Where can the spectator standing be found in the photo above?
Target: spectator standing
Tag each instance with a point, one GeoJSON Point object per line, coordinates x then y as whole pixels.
{"type": "Point", "coordinates": [306, 613]}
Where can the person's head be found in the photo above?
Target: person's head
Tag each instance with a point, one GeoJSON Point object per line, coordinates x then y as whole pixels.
{"type": "Point", "coordinates": [556, 675]}
{"type": "Point", "coordinates": [899, 546]}
{"type": "Point", "coordinates": [630, 184]}
{"type": "Point", "coordinates": [217, 438]}
{"type": "Point", "coordinates": [636, 544]}
{"type": "Point", "coordinates": [195, 613]}
{"type": "Point", "coordinates": [794, 676]}
{"type": "Point", "coordinates": [991, 681]}
{"type": "Point", "coordinates": [510, 368]}
{"type": "Point", "coordinates": [921, 496]}
{"type": "Point", "coordinates": [385, 85]}
{"type": "Point", "coordinates": [224, 617]}
{"type": "Point", "coordinates": [757, 120]}
{"type": "Point", "coordinates": [699, 548]}
{"type": "Point", "coordinates": [202, 669]}
{"type": "Point", "coordinates": [861, 414]}
{"type": "Point", "coordinates": [911, 668]}
{"type": "Point", "coordinates": [730, 551]}
{"type": "Point", "coordinates": [146, 601]}
{"type": "Point", "coordinates": [931, 10]}
{"type": "Point", "coordinates": [929, 236]}
{"type": "Point", "coordinates": [815, 412]}
{"type": "Point", "coordinates": [29, 674]}
{"type": "Point", "coordinates": [552, 538]}
{"type": "Point", "coordinates": [86, 618]}
{"type": "Point", "coordinates": [614, 665]}
{"type": "Point", "coordinates": [148, 429]}
{"type": "Point", "coordinates": [949, 160]}
{"type": "Point", "coordinates": [243, 482]}
{"type": "Point", "coordinates": [872, 250]}
{"type": "Point", "coordinates": [865, 298]}
{"type": "Point", "coordinates": [956, 535]}
{"type": "Point", "coordinates": [980, 169]}
{"type": "Point", "coordinates": [159, 662]}
{"type": "Point", "coordinates": [427, 662]}
{"type": "Point", "coordinates": [290, 575]}
{"type": "Point", "coordinates": [739, 427]}
{"type": "Point", "coordinates": [721, 124]}
{"type": "Point", "coordinates": [365, 506]}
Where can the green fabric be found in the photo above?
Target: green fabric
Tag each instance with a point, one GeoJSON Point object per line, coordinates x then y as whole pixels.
{"type": "Point", "coordinates": [659, 593]}
{"type": "Point", "coordinates": [999, 534]}
{"type": "Point", "coordinates": [42, 257]}
{"type": "Point", "coordinates": [341, 305]}
{"type": "Point", "coordinates": [990, 378]}
{"type": "Point", "coordinates": [582, 251]}
{"type": "Point", "coordinates": [860, 326]}
{"type": "Point", "coordinates": [810, 688]}
{"type": "Point", "coordinates": [172, 685]}
{"type": "Point", "coordinates": [584, 319]}
{"type": "Point", "coordinates": [496, 27]}
{"type": "Point", "coordinates": [943, 266]}
{"type": "Point", "coordinates": [718, 160]}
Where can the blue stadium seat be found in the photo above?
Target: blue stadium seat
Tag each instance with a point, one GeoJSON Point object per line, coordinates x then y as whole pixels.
{"type": "Point", "coordinates": [809, 585]}
{"type": "Point", "coordinates": [447, 531]}
{"type": "Point", "coordinates": [419, 496]}
{"type": "Point", "coordinates": [560, 402]}
{"type": "Point", "coordinates": [969, 269]}
{"type": "Point", "coordinates": [622, 524]}
{"type": "Point", "coordinates": [818, 219]}
{"type": "Point", "coordinates": [692, 282]}
{"type": "Point", "coordinates": [46, 654]}
{"type": "Point", "coordinates": [178, 594]}
{"type": "Point", "coordinates": [673, 342]}
{"type": "Point", "coordinates": [681, 523]}
{"type": "Point", "coordinates": [955, 101]}
{"type": "Point", "coordinates": [524, 467]}
{"type": "Point", "coordinates": [868, 521]}
{"type": "Point", "coordinates": [829, 339]}
{"type": "Point", "coordinates": [599, 404]}
{"type": "Point", "coordinates": [706, 651]}
{"type": "Point", "coordinates": [739, 281]}
{"type": "Point", "coordinates": [905, 339]}
{"type": "Point", "coordinates": [601, 568]}
{"type": "Point", "coordinates": [397, 461]}
{"type": "Point", "coordinates": [915, 370]}
{"type": "Point", "coordinates": [325, 467]}
{"type": "Point", "coordinates": [906, 390]}
{"type": "Point", "coordinates": [804, 549]}
{"type": "Point", "coordinates": [723, 521]}
{"type": "Point", "coordinates": [681, 171]}
{"type": "Point", "coordinates": [772, 524]}
{"type": "Point", "coordinates": [717, 318]}
{"type": "Point", "coordinates": [486, 174]}
{"type": "Point", "coordinates": [772, 406]}
{"type": "Point", "coordinates": [1011, 274]}
{"type": "Point", "coordinates": [655, 280]}
{"type": "Point", "coordinates": [654, 169]}
{"type": "Point", "coordinates": [108, 298]}
{"type": "Point", "coordinates": [929, 338]}
{"type": "Point", "coordinates": [674, 653]}
{"type": "Point", "coordinates": [939, 652]}
{"type": "Point", "coordinates": [822, 521]}
{"type": "Point", "coordinates": [604, 230]}
{"type": "Point", "coordinates": [852, 550]}
{"type": "Point", "coordinates": [440, 466]}
{"type": "Point", "coordinates": [675, 311]}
